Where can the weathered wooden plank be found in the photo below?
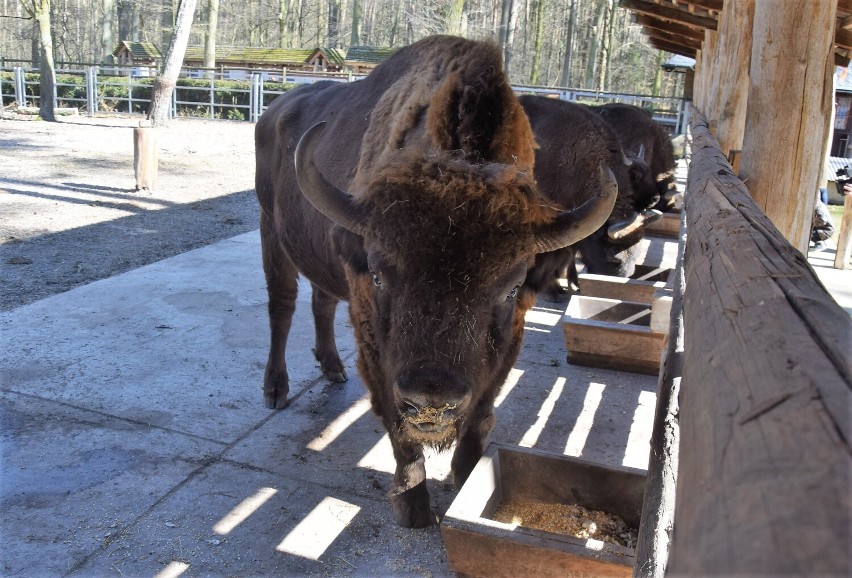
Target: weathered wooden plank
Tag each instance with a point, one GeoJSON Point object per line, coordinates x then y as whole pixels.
{"type": "Point", "coordinates": [652, 547]}
{"type": "Point", "coordinates": [145, 156]}
{"type": "Point", "coordinates": [765, 461]}
{"type": "Point", "coordinates": [844, 236]}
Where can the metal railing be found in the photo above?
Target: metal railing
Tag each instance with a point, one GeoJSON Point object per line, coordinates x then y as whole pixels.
{"type": "Point", "coordinates": [134, 85]}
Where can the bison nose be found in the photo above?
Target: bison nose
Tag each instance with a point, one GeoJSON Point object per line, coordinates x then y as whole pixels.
{"type": "Point", "coordinates": [432, 391]}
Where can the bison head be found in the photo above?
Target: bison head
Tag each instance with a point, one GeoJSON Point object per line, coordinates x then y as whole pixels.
{"type": "Point", "coordinates": [436, 248]}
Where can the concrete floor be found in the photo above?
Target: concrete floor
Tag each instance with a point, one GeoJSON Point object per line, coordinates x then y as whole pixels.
{"type": "Point", "coordinates": [135, 442]}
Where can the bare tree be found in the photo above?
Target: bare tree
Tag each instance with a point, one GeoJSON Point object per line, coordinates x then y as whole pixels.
{"type": "Point", "coordinates": [39, 10]}
{"type": "Point", "coordinates": [107, 36]}
{"type": "Point", "coordinates": [210, 33]}
{"type": "Point", "coordinates": [164, 84]}
{"type": "Point", "coordinates": [571, 17]}
{"type": "Point", "coordinates": [538, 38]}
{"type": "Point", "coordinates": [355, 37]}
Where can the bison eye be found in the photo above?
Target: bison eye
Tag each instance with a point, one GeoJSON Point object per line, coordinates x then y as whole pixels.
{"type": "Point", "coordinates": [376, 281]}
{"type": "Point", "coordinates": [513, 293]}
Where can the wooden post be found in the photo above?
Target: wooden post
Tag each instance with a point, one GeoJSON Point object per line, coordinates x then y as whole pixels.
{"type": "Point", "coordinates": [844, 238]}
{"type": "Point", "coordinates": [789, 104]}
{"type": "Point", "coordinates": [734, 53]}
{"type": "Point", "coordinates": [765, 462]}
{"type": "Point", "coordinates": [145, 155]}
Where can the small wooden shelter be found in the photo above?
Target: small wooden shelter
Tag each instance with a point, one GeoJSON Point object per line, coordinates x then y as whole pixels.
{"type": "Point", "coordinates": [133, 53]}
{"type": "Point", "coordinates": [294, 59]}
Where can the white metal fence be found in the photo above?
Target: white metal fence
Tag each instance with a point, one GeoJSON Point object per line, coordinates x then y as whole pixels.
{"type": "Point", "coordinates": [135, 84]}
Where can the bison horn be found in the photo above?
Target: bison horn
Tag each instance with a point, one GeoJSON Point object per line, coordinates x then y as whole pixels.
{"type": "Point", "coordinates": [641, 154]}
{"type": "Point", "coordinates": [626, 159]}
{"type": "Point", "coordinates": [622, 229]}
{"type": "Point", "coordinates": [576, 224]}
{"type": "Point", "coordinates": [337, 205]}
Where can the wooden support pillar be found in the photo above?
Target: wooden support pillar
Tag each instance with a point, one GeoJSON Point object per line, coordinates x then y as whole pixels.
{"type": "Point", "coordinates": [734, 54]}
{"type": "Point", "coordinates": [844, 238]}
{"type": "Point", "coordinates": [145, 155]}
{"type": "Point", "coordinates": [788, 111]}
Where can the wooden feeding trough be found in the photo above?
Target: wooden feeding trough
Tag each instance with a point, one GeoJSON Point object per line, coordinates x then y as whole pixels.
{"type": "Point", "coordinates": [667, 226]}
{"type": "Point", "coordinates": [479, 546]}
{"type": "Point", "coordinates": [616, 334]}
{"type": "Point", "coordinates": [639, 287]}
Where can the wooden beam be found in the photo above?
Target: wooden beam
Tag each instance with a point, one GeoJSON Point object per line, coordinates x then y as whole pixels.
{"type": "Point", "coordinates": [843, 38]}
{"type": "Point", "coordinates": [844, 237]}
{"type": "Point", "coordinates": [845, 23]}
{"type": "Point", "coordinates": [673, 48]}
{"type": "Point", "coordinates": [844, 7]}
{"type": "Point", "coordinates": [765, 462]}
{"type": "Point", "coordinates": [709, 5]}
{"type": "Point", "coordinates": [670, 14]}
{"type": "Point", "coordinates": [670, 27]}
{"type": "Point", "coordinates": [672, 38]}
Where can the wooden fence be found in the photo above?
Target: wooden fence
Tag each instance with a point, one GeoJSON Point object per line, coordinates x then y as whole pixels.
{"type": "Point", "coordinates": [764, 470]}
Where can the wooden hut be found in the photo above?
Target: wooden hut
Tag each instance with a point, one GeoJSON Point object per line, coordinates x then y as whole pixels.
{"type": "Point", "coordinates": [133, 53]}
{"type": "Point", "coordinates": [751, 467]}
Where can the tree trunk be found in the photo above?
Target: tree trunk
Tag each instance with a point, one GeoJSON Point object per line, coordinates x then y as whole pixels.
{"type": "Point", "coordinates": [592, 56]}
{"type": "Point", "coordinates": [789, 76]}
{"type": "Point", "coordinates": [565, 78]}
{"type": "Point", "coordinates": [455, 17]}
{"type": "Point", "coordinates": [39, 11]}
{"type": "Point", "coordinates": [508, 23]}
{"type": "Point", "coordinates": [210, 34]}
{"type": "Point", "coordinates": [107, 35]}
{"type": "Point", "coordinates": [164, 85]}
{"type": "Point", "coordinates": [167, 23]}
{"type": "Point", "coordinates": [355, 38]}
{"type": "Point", "coordinates": [606, 53]}
{"type": "Point", "coordinates": [538, 38]}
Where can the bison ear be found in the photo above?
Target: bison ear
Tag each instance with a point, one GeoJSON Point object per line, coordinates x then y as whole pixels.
{"type": "Point", "coordinates": [337, 205]}
{"type": "Point", "coordinates": [574, 225]}
{"type": "Point", "coordinates": [350, 248]}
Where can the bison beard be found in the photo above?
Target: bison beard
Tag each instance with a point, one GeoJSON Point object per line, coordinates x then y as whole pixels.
{"type": "Point", "coordinates": [414, 201]}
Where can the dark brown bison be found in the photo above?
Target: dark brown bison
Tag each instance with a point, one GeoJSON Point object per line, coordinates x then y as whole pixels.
{"type": "Point", "coordinates": [573, 141]}
{"type": "Point", "coordinates": [414, 201]}
{"type": "Point", "coordinates": [644, 139]}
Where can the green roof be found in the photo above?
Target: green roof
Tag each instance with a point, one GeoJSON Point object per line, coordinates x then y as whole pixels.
{"type": "Point", "coordinates": [141, 50]}
{"type": "Point", "coordinates": [369, 54]}
{"type": "Point", "coordinates": [247, 54]}
{"type": "Point", "coordinates": [335, 56]}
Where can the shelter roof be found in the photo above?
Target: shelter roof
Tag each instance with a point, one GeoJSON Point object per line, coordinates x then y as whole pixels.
{"type": "Point", "coordinates": [140, 50]}
{"type": "Point", "coordinates": [235, 54]}
{"type": "Point", "coordinates": [678, 26]}
{"type": "Point", "coordinates": [369, 54]}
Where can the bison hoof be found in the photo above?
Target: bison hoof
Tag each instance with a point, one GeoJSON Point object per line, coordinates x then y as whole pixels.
{"type": "Point", "coordinates": [411, 508]}
{"type": "Point", "coordinates": [275, 389]}
{"type": "Point", "coordinates": [335, 376]}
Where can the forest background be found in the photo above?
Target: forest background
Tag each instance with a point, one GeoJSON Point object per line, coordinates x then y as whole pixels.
{"type": "Point", "coordinates": [580, 44]}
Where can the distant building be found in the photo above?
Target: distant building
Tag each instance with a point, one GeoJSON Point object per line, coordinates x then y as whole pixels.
{"type": "Point", "coordinates": [143, 56]}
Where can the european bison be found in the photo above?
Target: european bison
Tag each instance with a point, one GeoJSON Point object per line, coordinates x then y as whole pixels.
{"type": "Point", "coordinates": [414, 201]}
{"type": "Point", "coordinates": [644, 139]}
{"type": "Point", "coordinates": [573, 141]}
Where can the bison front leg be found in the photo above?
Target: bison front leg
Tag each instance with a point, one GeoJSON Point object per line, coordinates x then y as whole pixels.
{"type": "Point", "coordinates": [282, 288]}
{"type": "Point", "coordinates": [471, 444]}
{"type": "Point", "coordinates": [323, 306]}
{"type": "Point", "coordinates": [409, 495]}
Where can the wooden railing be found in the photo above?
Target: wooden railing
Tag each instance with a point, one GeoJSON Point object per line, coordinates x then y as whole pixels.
{"type": "Point", "coordinates": [764, 471]}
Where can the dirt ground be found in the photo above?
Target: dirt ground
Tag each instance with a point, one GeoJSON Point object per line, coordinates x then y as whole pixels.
{"type": "Point", "coordinates": [70, 213]}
